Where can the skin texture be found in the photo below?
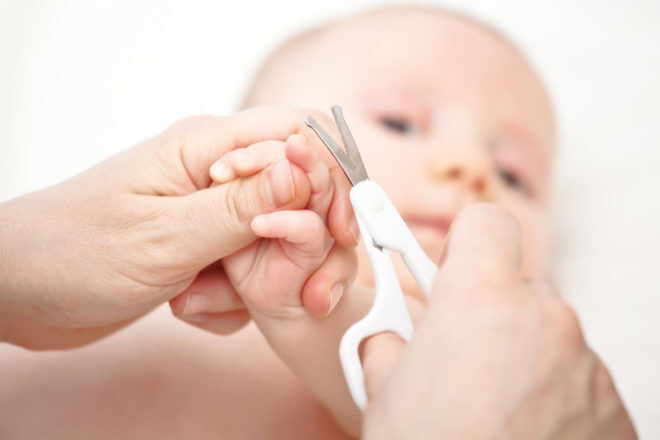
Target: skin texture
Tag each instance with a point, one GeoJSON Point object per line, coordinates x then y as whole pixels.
{"type": "Point", "coordinates": [269, 275]}
{"type": "Point", "coordinates": [496, 356]}
{"type": "Point", "coordinates": [432, 124]}
{"type": "Point", "coordinates": [440, 131]}
{"type": "Point", "coordinates": [140, 227]}
{"type": "Point", "coordinates": [294, 244]}
{"type": "Point", "coordinates": [435, 128]}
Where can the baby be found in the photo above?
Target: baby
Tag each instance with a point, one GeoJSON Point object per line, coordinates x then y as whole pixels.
{"type": "Point", "coordinates": [439, 126]}
{"type": "Point", "coordinates": [446, 112]}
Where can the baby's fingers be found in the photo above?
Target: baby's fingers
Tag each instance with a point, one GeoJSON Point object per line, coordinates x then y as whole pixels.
{"type": "Point", "coordinates": [245, 162]}
{"type": "Point", "coordinates": [299, 153]}
{"type": "Point", "coordinates": [325, 287]}
{"type": "Point", "coordinates": [303, 230]}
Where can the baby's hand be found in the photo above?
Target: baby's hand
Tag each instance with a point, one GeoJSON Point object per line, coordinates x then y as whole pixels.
{"type": "Point", "coordinates": [270, 274]}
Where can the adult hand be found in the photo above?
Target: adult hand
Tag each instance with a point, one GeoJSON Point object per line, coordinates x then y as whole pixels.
{"type": "Point", "coordinates": [495, 356]}
{"type": "Point", "coordinates": [82, 258]}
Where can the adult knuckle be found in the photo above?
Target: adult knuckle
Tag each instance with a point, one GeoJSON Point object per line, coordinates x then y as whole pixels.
{"type": "Point", "coordinates": [603, 379]}
{"type": "Point", "coordinates": [236, 207]}
{"type": "Point", "coordinates": [543, 289]}
{"type": "Point", "coordinates": [566, 324]}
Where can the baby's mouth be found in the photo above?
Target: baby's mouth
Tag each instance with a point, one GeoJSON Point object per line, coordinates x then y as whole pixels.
{"type": "Point", "coordinates": [430, 233]}
{"type": "Point", "coordinates": [438, 224]}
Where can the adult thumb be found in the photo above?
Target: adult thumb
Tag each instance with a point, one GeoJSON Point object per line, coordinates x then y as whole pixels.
{"type": "Point", "coordinates": [215, 222]}
{"type": "Point", "coordinates": [484, 245]}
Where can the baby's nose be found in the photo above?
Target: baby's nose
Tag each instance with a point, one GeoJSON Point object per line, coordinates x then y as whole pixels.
{"type": "Point", "coordinates": [469, 170]}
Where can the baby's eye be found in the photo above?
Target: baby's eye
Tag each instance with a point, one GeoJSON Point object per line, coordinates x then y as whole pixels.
{"type": "Point", "coordinates": [399, 125]}
{"type": "Point", "coordinates": [512, 180]}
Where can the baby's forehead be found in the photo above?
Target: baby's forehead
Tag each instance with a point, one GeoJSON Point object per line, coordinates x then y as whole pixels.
{"type": "Point", "coordinates": [397, 21]}
{"type": "Point", "coordinates": [406, 29]}
{"type": "Point", "coordinates": [435, 51]}
{"type": "Point", "coordinates": [402, 38]}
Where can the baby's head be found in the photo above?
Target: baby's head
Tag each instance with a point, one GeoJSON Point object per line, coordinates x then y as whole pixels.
{"type": "Point", "coordinates": [445, 111]}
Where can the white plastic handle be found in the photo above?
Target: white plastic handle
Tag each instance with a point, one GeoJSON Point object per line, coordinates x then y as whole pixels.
{"type": "Point", "coordinates": [388, 313]}
{"type": "Point", "coordinates": [379, 221]}
{"type": "Point", "coordinates": [389, 230]}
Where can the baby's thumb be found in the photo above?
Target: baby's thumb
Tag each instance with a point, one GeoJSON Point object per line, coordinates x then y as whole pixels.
{"type": "Point", "coordinates": [215, 222]}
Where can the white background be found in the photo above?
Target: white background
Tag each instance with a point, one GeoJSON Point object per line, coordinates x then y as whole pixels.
{"type": "Point", "coordinates": [80, 80]}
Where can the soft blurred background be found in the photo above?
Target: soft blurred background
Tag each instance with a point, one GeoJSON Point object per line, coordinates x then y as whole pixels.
{"type": "Point", "coordinates": [81, 80]}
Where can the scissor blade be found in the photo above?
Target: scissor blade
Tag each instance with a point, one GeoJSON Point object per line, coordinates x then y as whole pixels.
{"type": "Point", "coordinates": [349, 142]}
{"type": "Point", "coordinates": [329, 142]}
{"type": "Point", "coordinates": [342, 158]}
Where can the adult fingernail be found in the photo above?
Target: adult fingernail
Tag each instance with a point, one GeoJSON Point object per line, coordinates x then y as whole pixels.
{"type": "Point", "coordinates": [334, 295]}
{"type": "Point", "coordinates": [243, 160]}
{"type": "Point", "coordinates": [195, 304]}
{"type": "Point", "coordinates": [354, 229]}
{"type": "Point", "coordinates": [259, 223]}
{"type": "Point", "coordinates": [278, 187]}
{"type": "Point", "coordinates": [221, 173]}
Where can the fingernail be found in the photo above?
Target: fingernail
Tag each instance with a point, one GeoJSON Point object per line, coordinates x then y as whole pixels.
{"type": "Point", "coordinates": [278, 188]}
{"type": "Point", "coordinates": [354, 229]}
{"type": "Point", "coordinates": [243, 160]}
{"type": "Point", "coordinates": [334, 295]}
{"type": "Point", "coordinates": [258, 223]}
{"type": "Point", "coordinates": [221, 173]}
{"type": "Point", "coordinates": [195, 303]}
{"type": "Point", "coordinates": [195, 318]}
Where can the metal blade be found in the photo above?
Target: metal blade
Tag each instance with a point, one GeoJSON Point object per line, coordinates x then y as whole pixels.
{"type": "Point", "coordinates": [349, 142]}
{"type": "Point", "coordinates": [349, 160]}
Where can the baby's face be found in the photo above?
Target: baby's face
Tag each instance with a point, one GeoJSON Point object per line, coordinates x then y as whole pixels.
{"type": "Point", "coordinates": [445, 114]}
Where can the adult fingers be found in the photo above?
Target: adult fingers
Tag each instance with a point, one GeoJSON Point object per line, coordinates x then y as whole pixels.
{"type": "Point", "coordinates": [211, 303]}
{"type": "Point", "coordinates": [379, 354]}
{"type": "Point", "coordinates": [215, 222]}
{"type": "Point", "coordinates": [245, 162]}
{"type": "Point", "coordinates": [210, 292]}
{"type": "Point", "coordinates": [484, 244]}
{"type": "Point", "coordinates": [201, 141]}
{"type": "Point", "coordinates": [220, 323]}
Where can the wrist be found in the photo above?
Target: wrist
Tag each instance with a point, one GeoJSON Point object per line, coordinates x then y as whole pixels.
{"type": "Point", "coordinates": [20, 271]}
{"type": "Point", "coordinates": [7, 271]}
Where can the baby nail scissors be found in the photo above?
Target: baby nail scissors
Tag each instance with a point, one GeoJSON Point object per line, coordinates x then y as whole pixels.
{"type": "Point", "coordinates": [383, 231]}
